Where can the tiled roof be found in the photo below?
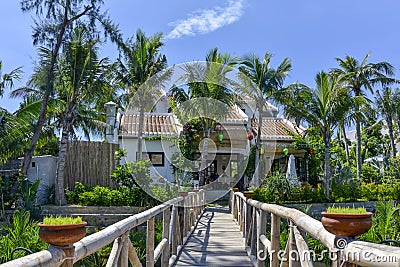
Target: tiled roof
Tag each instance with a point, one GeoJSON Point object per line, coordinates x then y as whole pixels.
{"type": "Point", "coordinates": [154, 124]}
{"type": "Point", "coordinates": [274, 129]}
{"type": "Point", "coordinates": [235, 116]}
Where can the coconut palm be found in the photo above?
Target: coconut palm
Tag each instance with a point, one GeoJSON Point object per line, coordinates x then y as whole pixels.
{"type": "Point", "coordinates": [386, 103]}
{"type": "Point", "coordinates": [54, 22]}
{"type": "Point", "coordinates": [266, 84]}
{"type": "Point", "coordinates": [360, 77]}
{"type": "Point", "coordinates": [7, 79]}
{"type": "Point", "coordinates": [140, 60]}
{"type": "Point", "coordinates": [321, 109]}
{"type": "Point", "coordinates": [82, 86]}
{"type": "Point", "coordinates": [209, 94]}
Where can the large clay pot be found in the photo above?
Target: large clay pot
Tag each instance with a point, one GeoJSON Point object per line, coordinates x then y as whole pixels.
{"type": "Point", "coordinates": [248, 194]}
{"type": "Point", "coordinates": [62, 235]}
{"type": "Point", "coordinates": [347, 224]}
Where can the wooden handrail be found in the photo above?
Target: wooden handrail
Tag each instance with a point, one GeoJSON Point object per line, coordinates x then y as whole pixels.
{"type": "Point", "coordinates": [251, 216]}
{"type": "Point", "coordinates": [174, 236]}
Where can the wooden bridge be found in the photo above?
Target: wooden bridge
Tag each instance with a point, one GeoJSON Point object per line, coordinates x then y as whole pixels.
{"type": "Point", "coordinates": [247, 234]}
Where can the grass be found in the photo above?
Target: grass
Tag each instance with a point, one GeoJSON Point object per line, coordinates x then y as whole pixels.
{"type": "Point", "coordinates": [61, 220]}
{"type": "Point", "coordinates": [346, 210]}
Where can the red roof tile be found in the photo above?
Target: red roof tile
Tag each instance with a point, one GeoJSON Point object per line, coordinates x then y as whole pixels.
{"type": "Point", "coordinates": [154, 124]}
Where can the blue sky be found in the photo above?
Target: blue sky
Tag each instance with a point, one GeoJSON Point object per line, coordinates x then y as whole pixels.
{"type": "Point", "coordinates": [310, 32]}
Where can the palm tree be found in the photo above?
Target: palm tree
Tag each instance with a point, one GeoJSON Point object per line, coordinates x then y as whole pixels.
{"type": "Point", "coordinates": [321, 109]}
{"type": "Point", "coordinates": [55, 21]}
{"type": "Point", "coordinates": [140, 60]}
{"type": "Point", "coordinates": [7, 79]}
{"type": "Point", "coordinates": [386, 102]}
{"type": "Point", "coordinates": [82, 87]}
{"type": "Point", "coordinates": [266, 83]}
{"type": "Point", "coordinates": [361, 76]}
{"type": "Point", "coordinates": [208, 95]}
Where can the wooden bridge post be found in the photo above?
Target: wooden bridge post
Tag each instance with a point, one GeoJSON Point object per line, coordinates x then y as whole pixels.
{"type": "Point", "coordinates": [123, 258]}
{"type": "Point", "coordinates": [293, 251]}
{"type": "Point", "coordinates": [253, 239]}
{"type": "Point", "coordinates": [243, 217]}
{"type": "Point", "coordinates": [150, 243]}
{"type": "Point", "coordinates": [166, 228]}
{"type": "Point", "coordinates": [247, 222]}
{"type": "Point", "coordinates": [69, 254]}
{"type": "Point", "coordinates": [173, 236]}
{"type": "Point", "coordinates": [261, 227]}
{"type": "Point", "coordinates": [275, 239]}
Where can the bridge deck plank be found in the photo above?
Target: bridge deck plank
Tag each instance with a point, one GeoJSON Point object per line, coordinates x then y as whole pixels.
{"type": "Point", "coordinates": [216, 241]}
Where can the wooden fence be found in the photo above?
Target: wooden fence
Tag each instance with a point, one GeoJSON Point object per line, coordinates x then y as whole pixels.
{"type": "Point", "coordinates": [90, 163]}
{"type": "Point", "coordinates": [252, 217]}
{"type": "Point", "coordinates": [180, 216]}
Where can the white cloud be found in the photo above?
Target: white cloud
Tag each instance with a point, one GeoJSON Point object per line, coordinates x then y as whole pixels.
{"type": "Point", "coordinates": [209, 20]}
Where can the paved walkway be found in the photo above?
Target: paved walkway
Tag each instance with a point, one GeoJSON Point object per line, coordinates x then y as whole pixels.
{"type": "Point", "coordinates": [216, 241]}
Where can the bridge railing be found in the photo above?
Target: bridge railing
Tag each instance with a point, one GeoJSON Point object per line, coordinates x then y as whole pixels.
{"type": "Point", "coordinates": [252, 217]}
{"type": "Point", "coordinates": [179, 217]}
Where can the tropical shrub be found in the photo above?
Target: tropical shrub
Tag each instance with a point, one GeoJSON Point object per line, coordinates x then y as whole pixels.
{"type": "Point", "coordinates": [105, 196]}
{"type": "Point", "coordinates": [21, 232]}
{"type": "Point", "coordinates": [10, 190]}
{"type": "Point", "coordinates": [385, 223]}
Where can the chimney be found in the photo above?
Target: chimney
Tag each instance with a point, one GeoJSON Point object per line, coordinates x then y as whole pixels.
{"type": "Point", "coordinates": [110, 120]}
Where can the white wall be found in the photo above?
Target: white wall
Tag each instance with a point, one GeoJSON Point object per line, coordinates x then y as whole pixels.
{"type": "Point", "coordinates": [130, 145]}
{"type": "Point", "coordinates": [43, 167]}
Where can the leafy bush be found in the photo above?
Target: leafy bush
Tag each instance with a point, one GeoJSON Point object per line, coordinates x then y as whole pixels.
{"type": "Point", "coordinates": [21, 232]}
{"type": "Point", "coordinates": [276, 188]}
{"type": "Point", "coordinates": [133, 174]}
{"type": "Point", "coordinates": [10, 190]}
{"type": "Point", "coordinates": [385, 223]}
{"type": "Point", "coordinates": [105, 196]}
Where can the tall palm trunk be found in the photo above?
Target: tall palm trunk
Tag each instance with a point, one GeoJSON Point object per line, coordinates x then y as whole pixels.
{"type": "Point", "coordinates": [203, 163]}
{"type": "Point", "coordinates": [346, 145]}
{"type": "Point", "coordinates": [140, 134]}
{"type": "Point", "coordinates": [327, 169]}
{"type": "Point", "coordinates": [259, 173]}
{"type": "Point", "coordinates": [28, 152]}
{"type": "Point", "coordinates": [357, 93]}
{"type": "Point", "coordinates": [60, 194]}
{"type": "Point", "coordinates": [389, 122]}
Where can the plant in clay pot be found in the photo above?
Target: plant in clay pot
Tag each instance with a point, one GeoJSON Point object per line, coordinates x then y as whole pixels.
{"type": "Point", "coordinates": [346, 221]}
{"type": "Point", "coordinates": [62, 231]}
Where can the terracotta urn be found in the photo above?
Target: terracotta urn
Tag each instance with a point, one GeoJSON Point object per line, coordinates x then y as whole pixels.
{"type": "Point", "coordinates": [350, 225]}
{"type": "Point", "coordinates": [248, 194]}
{"type": "Point", "coordinates": [62, 235]}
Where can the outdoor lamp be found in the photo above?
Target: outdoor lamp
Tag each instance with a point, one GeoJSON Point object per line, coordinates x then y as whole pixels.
{"type": "Point", "coordinates": [285, 151]}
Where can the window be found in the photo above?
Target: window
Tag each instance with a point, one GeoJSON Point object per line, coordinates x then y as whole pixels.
{"type": "Point", "coordinates": [156, 158]}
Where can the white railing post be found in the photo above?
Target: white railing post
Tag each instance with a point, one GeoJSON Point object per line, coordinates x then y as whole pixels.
{"type": "Point", "coordinates": [123, 258]}
{"type": "Point", "coordinates": [150, 243]}
{"type": "Point", "coordinates": [166, 228]}
{"type": "Point", "coordinates": [261, 227]}
{"type": "Point", "coordinates": [275, 240]}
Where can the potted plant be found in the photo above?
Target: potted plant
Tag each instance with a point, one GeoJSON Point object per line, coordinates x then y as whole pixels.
{"type": "Point", "coordinates": [62, 231]}
{"type": "Point", "coordinates": [346, 221]}
{"type": "Point", "coordinates": [249, 194]}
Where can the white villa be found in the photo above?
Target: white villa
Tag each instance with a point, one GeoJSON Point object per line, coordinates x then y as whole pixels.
{"type": "Point", "coordinates": [239, 131]}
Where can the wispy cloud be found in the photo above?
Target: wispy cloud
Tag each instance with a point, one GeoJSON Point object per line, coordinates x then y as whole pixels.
{"type": "Point", "coordinates": [205, 21]}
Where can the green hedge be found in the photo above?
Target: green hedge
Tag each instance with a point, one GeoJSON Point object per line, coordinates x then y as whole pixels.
{"type": "Point", "coordinates": [106, 196]}
{"type": "Point", "coordinates": [339, 193]}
